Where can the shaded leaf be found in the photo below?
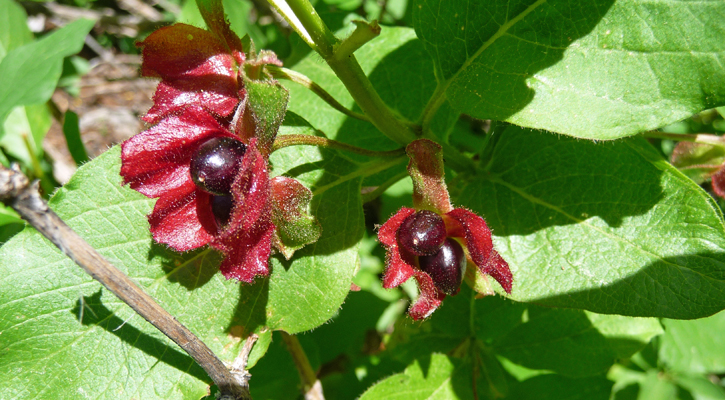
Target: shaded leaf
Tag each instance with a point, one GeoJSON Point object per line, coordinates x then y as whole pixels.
{"type": "Point", "coordinates": [556, 387]}
{"type": "Point", "coordinates": [72, 133]}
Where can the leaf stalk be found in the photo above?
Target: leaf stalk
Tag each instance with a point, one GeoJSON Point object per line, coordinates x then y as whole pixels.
{"type": "Point", "coordinates": [284, 73]}
{"type": "Point", "coordinates": [309, 140]}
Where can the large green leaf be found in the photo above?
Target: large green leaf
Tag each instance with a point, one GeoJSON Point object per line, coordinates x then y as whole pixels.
{"type": "Point", "coordinates": [608, 227]}
{"type": "Point", "coordinates": [694, 346]}
{"type": "Point", "coordinates": [14, 30]}
{"type": "Point", "coordinates": [597, 69]}
{"type": "Point", "coordinates": [48, 353]}
{"type": "Point", "coordinates": [28, 74]}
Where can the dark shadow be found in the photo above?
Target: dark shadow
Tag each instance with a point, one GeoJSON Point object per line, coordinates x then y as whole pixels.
{"type": "Point", "coordinates": [539, 338]}
{"type": "Point", "coordinates": [251, 311]}
{"type": "Point", "coordinates": [192, 269]}
{"type": "Point", "coordinates": [564, 181]}
{"type": "Point", "coordinates": [91, 311]}
{"type": "Point", "coordinates": [535, 43]}
{"type": "Point", "coordinates": [629, 392]}
{"type": "Point", "coordinates": [681, 287]}
{"type": "Point", "coordinates": [555, 387]}
{"type": "Point", "coordinates": [287, 264]}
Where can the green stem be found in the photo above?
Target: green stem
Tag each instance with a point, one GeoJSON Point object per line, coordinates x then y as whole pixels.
{"type": "Point", "coordinates": [305, 20]}
{"type": "Point", "coordinates": [364, 170]}
{"type": "Point", "coordinates": [351, 75]}
{"type": "Point", "coordinates": [362, 91]}
{"type": "Point", "coordinates": [370, 196]}
{"type": "Point", "coordinates": [704, 138]}
{"type": "Point", "coordinates": [34, 162]}
{"type": "Point", "coordinates": [308, 140]}
{"type": "Point", "coordinates": [311, 386]}
{"type": "Point", "coordinates": [284, 73]}
{"type": "Point", "coordinates": [363, 33]}
{"type": "Point", "coordinates": [434, 103]}
{"type": "Point", "coordinates": [348, 70]}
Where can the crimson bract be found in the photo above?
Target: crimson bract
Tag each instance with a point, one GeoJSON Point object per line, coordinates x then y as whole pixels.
{"type": "Point", "coordinates": [202, 106]}
{"type": "Point", "coordinates": [433, 257]}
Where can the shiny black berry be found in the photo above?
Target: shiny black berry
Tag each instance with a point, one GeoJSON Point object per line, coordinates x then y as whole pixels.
{"type": "Point", "coordinates": [422, 233]}
{"type": "Point", "coordinates": [221, 207]}
{"type": "Point", "coordinates": [446, 267]}
{"type": "Point", "coordinates": [216, 163]}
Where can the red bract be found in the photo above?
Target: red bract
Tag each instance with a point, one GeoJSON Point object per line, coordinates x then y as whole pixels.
{"type": "Point", "coordinates": [430, 193]}
{"type": "Point", "coordinates": [202, 96]}
{"type": "Point", "coordinates": [196, 69]}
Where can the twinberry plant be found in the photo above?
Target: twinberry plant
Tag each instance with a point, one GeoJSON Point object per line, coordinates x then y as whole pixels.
{"type": "Point", "coordinates": [423, 242]}
{"type": "Point", "coordinates": [564, 236]}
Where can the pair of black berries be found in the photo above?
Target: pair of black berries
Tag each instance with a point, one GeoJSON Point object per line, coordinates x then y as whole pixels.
{"type": "Point", "coordinates": [213, 169]}
{"type": "Point", "coordinates": [423, 234]}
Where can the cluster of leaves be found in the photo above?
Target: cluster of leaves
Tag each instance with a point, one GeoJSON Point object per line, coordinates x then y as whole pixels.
{"type": "Point", "coordinates": [609, 244]}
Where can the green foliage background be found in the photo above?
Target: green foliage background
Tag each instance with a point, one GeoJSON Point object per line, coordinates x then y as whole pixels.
{"type": "Point", "coordinates": [615, 252]}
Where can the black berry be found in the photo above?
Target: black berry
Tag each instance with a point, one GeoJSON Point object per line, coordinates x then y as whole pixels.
{"type": "Point", "coordinates": [422, 233]}
{"type": "Point", "coordinates": [446, 267]}
{"type": "Point", "coordinates": [216, 163]}
{"type": "Point", "coordinates": [221, 207]}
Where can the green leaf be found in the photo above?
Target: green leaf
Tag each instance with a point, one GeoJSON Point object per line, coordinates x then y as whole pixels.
{"type": "Point", "coordinates": [14, 30]}
{"type": "Point", "coordinates": [694, 346]}
{"type": "Point", "coordinates": [440, 378]}
{"type": "Point", "coordinates": [8, 215]}
{"type": "Point", "coordinates": [39, 316]}
{"type": "Point", "coordinates": [608, 227]}
{"type": "Point", "coordinates": [655, 387]}
{"type": "Point", "coordinates": [29, 74]}
{"type": "Point", "coordinates": [698, 161]}
{"type": "Point", "coordinates": [700, 387]}
{"type": "Point", "coordinates": [556, 387]}
{"type": "Point", "coordinates": [559, 339]}
{"type": "Point", "coordinates": [72, 133]}
{"type": "Point", "coordinates": [25, 128]}
{"type": "Point", "coordinates": [598, 69]}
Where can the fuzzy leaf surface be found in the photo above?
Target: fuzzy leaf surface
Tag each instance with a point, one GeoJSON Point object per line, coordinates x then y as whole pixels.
{"type": "Point", "coordinates": [599, 69]}
{"type": "Point", "coordinates": [609, 227]}
{"type": "Point", "coordinates": [52, 314]}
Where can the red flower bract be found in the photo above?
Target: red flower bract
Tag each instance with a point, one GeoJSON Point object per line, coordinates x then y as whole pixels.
{"type": "Point", "coordinates": [430, 193]}
{"type": "Point", "coordinates": [202, 96]}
